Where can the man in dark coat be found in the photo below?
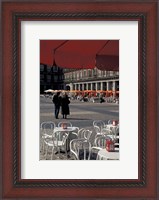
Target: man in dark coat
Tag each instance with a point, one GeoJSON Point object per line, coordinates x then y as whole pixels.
{"type": "Point", "coordinates": [57, 102]}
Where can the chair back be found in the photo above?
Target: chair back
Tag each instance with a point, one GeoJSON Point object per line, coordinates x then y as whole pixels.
{"type": "Point", "coordinates": [106, 131]}
{"type": "Point", "coordinates": [110, 121]}
{"type": "Point", "coordinates": [81, 133]}
{"type": "Point", "coordinates": [47, 127]}
{"type": "Point", "coordinates": [60, 136]}
{"type": "Point", "coordinates": [80, 148]}
{"type": "Point", "coordinates": [101, 141]}
{"type": "Point", "coordinates": [115, 131]}
{"type": "Point", "coordinates": [97, 129]}
{"type": "Point", "coordinates": [76, 130]}
{"type": "Point", "coordinates": [59, 142]}
{"type": "Point", "coordinates": [99, 123]}
{"type": "Point", "coordinates": [109, 133]}
{"type": "Point", "coordinates": [87, 134]}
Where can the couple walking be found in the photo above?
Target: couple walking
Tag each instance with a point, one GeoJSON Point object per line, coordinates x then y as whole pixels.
{"type": "Point", "coordinates": [61, 100]}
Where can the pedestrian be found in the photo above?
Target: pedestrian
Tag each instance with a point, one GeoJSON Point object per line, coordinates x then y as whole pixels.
{"type": "Point", "coordinates": [65, 110]}
{"type": "Point", "coordinates": [101, 98]}
{"type": "Point", "coordinates": [57, 102]}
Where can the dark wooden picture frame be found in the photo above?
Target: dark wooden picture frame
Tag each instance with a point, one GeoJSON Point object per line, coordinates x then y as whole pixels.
{"type": "Point", "coordinates": [145, 187]}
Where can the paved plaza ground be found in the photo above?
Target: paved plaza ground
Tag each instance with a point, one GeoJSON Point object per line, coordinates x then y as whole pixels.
{"type": "Point", "coordinates": [82, 114]}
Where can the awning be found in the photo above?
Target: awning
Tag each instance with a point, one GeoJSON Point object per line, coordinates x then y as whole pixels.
{"type": "Point", "coordinates": [47, 48]}
{"type": "Point", "coordinates": [108, 57]}
{"type": "Point", "coordinates": [81, 54]}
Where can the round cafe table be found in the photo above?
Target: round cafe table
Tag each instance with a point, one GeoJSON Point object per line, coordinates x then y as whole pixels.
{"type": "Point", "coordinates": [68, 129]}
{"type": "Point", "coordinates": [103, 154]}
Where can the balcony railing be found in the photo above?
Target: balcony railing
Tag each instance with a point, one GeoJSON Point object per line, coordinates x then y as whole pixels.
{"type": "Point", "coordinates": [92, 78]}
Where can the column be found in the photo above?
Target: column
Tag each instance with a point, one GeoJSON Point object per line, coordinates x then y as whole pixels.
{"type": "Point", "coordinates": [114, 85]}
{"type": "Point", "coordinates": [71, 86]}
{"type": "Point", "coordinates": [91, 86]}
{"type": "Point", "coordinates": [108, 85]}
{"type": "Point", "coordinates": [82, 86]}
{"type": "Point", "coordinates": [114, 88]}
{"type": "Point", "coordinates": [101, 86]}
{"type": "Point", "coordinates": [87, 88]}
{"type": "Point", "coordinates": [96, 86]}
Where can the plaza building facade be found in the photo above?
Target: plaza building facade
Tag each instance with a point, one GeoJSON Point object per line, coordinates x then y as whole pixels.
{"type": "Point", "coordinates": [51, 77]}
{"type": "Point", "coordinates": [56, 78]}
{"type": "Point", "coordinates": [91, 79]}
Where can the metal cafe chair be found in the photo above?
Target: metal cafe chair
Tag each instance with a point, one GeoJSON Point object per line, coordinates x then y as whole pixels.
{"type": "Point", "coordinates": [99, 123]}
{"type": "Point", "coordinates": [99, 143]}
{"type": "Point", "coordinates": [57, 143]}
{"type": "Point", "coordinates": [80, 149]}
{"type": "Point", "coordinates": [47, 129]}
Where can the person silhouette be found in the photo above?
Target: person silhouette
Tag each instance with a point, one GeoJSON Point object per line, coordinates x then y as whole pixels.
{"type": "Point", "coordinates": [65, 110]}
{"type": "Point", "coordinates": [57, 103]}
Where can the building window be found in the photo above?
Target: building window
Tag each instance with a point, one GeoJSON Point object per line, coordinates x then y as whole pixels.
{"type": "Point", "coordinates": [89, 73]}
{"type": "Point", "coordinates": [99, 73]}
{"type": "Point", "coordinates": [48, 69]}
{"type": "Point", "coordinates": [41, 67]}
{"type": "Point", "coordinates": [55, 78]}
{"type": "Point", "coordinates": [41, 76]}
{"type": "Point", "coordinates": [55, 68]}
{"type": "Point", "coordinates": [80, 74]}
{"type": "Point", "coordinates": [94, 72]}
{"type": "Point", "coordinates": [85, 73]}
{"type": "Point", "coordinates": [111, 73]}
{"type": "Point", "coordinates": [77, 75]}
{"type": "Point", "coordinates": [48, 78]}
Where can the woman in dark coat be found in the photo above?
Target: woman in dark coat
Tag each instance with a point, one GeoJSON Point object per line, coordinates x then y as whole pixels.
{"type": "Point", "coordinates": [65, 105]}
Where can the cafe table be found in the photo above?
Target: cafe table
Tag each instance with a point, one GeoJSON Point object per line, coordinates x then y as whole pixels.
{"type": "Point", "coordinates": [103, 154]}
{"type": "Point", "coordinates": [68, 129]}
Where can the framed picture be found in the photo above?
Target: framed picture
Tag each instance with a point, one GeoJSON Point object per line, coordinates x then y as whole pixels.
{"type": "Point", "coordinates": [85, 95]}
{"type": "Point", "coordinates": [24, 26]}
